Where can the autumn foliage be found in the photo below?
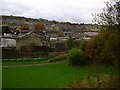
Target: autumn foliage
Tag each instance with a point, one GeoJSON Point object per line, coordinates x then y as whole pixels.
{"type": "Point", "coordinates": [94, 48]}
{"type": "Point", "coordinates": [88, 48]}
{"type": "Point", "coordinates": [103, 48]}
{"type": "Point", "coordinates": [24, 27]}
{"type": "Point", "coordinates": [39, 27]}
{"type": "Point", "coordinates": [59, 57]}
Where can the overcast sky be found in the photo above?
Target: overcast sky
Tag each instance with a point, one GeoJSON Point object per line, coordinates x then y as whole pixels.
{"type": "Point", "coordinates": [61, 10]}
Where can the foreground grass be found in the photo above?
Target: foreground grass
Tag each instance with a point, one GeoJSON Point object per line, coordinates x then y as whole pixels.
{"type": "Point", "coordinates": [47, 76]}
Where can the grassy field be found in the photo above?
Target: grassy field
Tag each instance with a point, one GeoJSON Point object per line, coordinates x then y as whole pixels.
{"type": "Point", "coordinates": [58, 75]}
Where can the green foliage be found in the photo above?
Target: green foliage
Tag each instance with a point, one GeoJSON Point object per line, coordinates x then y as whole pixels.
{"type": "Point", "coordinates": [111, 48]}
{"type": "Point", "coordinates": [6, 29]}
{"type": "Point", "coordinates": [70, 43]}
{"type": "Point", "coordinates": [37, 76]}
{"type": "Point", "coordinates": [76, 44]}
{"type": "Point", "coordinates": [104, 47]}
{"type": "Point", "coordinates": [77, 57]}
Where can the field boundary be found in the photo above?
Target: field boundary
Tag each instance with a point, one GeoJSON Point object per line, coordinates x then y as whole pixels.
{"type": "Point", "coordinates": [30, 64]}
{"type": "Point", "coordinates": [28, 59]}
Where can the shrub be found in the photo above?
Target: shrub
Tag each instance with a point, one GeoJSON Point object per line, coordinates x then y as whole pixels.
{"type": "Point", "coordinates": [82, 45]}
{"type": "Point", "coordinates": [106, 81]}
{"type": "Point", "coordinates": [85, 83]}
{"type": "Point", "coordinates": [94, 48]}
{"type": "Point", "coordinates": [70, 43]}
{"type": "Point", "coordinates": [59, 58]}
{"type": "Point", "coordinates": [111, 48]}
{"type": "Point", "coordinates": [6, 29]}
{"type": "Point", "coordinates": [77, 57]}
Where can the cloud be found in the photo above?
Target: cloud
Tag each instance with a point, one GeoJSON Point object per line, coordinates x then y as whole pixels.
{"type": "Point", "coordinates": [60, 10]}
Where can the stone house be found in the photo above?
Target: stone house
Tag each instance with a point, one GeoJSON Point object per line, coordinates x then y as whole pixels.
{"type": "Point", "coordinates": [92, 27]}
{"type": "Point", "coordinates": [31, 40]}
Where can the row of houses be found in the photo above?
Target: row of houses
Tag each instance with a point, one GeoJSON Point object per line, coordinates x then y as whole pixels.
{"type": "Point", "coordinates": [14, 22]}
{"type": "Point", "coordinates": [49, 37]}
{"type": "Point", "coordinates": [43, 37]}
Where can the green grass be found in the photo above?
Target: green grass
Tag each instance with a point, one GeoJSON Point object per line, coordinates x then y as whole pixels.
{"type": "Point", "coordinates": [58, 75]}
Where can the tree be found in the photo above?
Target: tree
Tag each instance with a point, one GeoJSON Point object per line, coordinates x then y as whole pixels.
{"type": "Point", "coordinates": [54, 27]}
{"type": "Point", "coordinates": [53, 21]}
{"type": "Point", "coordinates": [110, 19]}
{"type": "Point", "coordinates": [104, 47]}
{"type": "Point", "coordinates": [110, 15]}
{"type": "Point", "coordinates": [70, 42]}
{"type": "Point", "coordinates": [25, 27]}
{"type": "Point", "coordinates": [5, 29]}
{"type": "Point", "coordinates": [40, 27]}
{"type": "Point", "coordinates": [94, 48]}
{"type": "Point", "coordinates": [82, 45]}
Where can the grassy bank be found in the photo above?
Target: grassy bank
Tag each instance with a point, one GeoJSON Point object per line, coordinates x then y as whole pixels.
{"type": "Point", "coordinates": [58, 75]}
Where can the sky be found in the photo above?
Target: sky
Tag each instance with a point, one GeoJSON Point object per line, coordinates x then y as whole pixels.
{"type": "Point", "coordinates": [76, 11]}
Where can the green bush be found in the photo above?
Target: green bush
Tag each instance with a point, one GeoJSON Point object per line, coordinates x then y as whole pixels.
{"type": "Point", "coordinates": [6, 29]}
{"type": "Point", "coordinates": [77, 57]}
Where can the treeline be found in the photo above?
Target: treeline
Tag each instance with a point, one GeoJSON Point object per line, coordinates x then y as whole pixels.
{"type": "Point", "coordinates": [103, 48]}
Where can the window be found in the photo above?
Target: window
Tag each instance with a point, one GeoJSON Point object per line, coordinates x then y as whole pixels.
{"type": "Point", "coordinates": [65, 34]}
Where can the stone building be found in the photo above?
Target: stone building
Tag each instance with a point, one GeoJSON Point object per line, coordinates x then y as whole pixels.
{"type": "Point", "coordinates": [7, 42]}
{"type": "Point", "coordinates": [92, 27]}
{"type": "Point", "coordinates": [31, 41]}
{"type": "Point", "coordinates": [47, 33]}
